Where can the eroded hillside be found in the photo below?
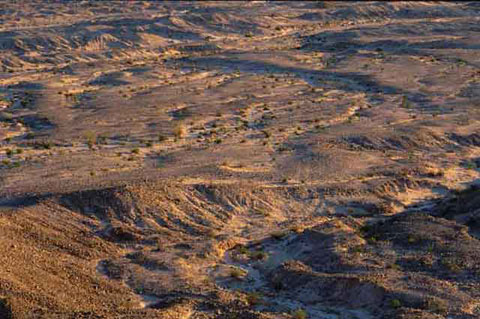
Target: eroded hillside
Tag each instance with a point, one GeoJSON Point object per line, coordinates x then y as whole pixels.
{"type": "Point", "coordinates": [239, 160]}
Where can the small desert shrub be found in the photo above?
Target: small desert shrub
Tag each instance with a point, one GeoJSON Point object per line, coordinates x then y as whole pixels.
{"type": "Point", "coordinates": [254, 298]}
{"type": "Point", "coordinates": [9, 152]}
{"type": "Point", "coordinates": [19, 151]}
{"type": "Point", "coordinates": [91, 138]}
{"type": "Point", "coordinates": [211, 233]}
{"type": "Point", "coordinates": [180, 130]}
{"type": "Point", "coordinates": [436, 305]}
{"type": "Point", "coordinates": [259, 255]}
{"type": "Point", "coordinates": [451, 264]}
{"type": "Point", "coordinates": [5, 116]}
{"type": "Point", "coordinates": [262, 211]}
{"type": "Point", "coordinates": [395, 303]}
{"type": "Point", "coordinates": [101, 139]}
{"type": "Point", "coordinates": [162, 138]}
{"type": "Point", "coordinates": [394, 266]}
{"type": "Point", "coordinates": [237, 273]}
{"type": "Point", "coordinates": [226, 163]}
{"type": "Point", "coordinates": [471, 165]}
{"type": "Point", "coordinates": [412, 239]}
{"type": "Point", "coordinates": [30, 136]}
{"type": "Point", "coordinates": [242, 250]}
{"type": "Point", "coordinates": [296, 229]}
{"type": "Point", "coordinates": [278, 235]}
{"type": "Point", "coordinates": [405, 103]}
{"type": "Point", "coordinates": [47, 145]}
{"type": "Point", "coordinates": [300, 314]}
{"type": "Point", "coordinates": [136, 150]}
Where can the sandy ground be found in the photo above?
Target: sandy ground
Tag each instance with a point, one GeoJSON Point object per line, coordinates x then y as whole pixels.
{"type": "Point", "coordinates": [239, 159]}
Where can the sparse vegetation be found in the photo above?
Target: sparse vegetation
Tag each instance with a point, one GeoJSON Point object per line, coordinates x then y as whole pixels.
{"type": "Point", "coordinates": [395, 303]}
{"type": "Point", "coordinates": [254, 298]}
{"type": "Point", "coordinates": [234, 152]}
{"type": "Point", "coordinates": [180, 131]}
{"type": "Point", "coordinates": [300, 314]}
{"type": "Point", "coordinates": [406, 103]}
{"type": "Point", "coordinates": [30, 136]}
{"type": "Point", "coordinates": [470, 165]}
{"type": "Point", "coordinates": [279, 235]}
{"type": "Point", "coordinates": [237, 273]}
{"type": "Point", "coordinates": [436, 305]}
{"type": "Point", "coordinates": [258, 255]}
{"type": "Point", "coordinates": [91, 138]}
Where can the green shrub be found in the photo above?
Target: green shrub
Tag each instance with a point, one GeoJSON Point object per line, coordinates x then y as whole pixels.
{"type": "Point", "coordinates": [395, 303]}
{"type": "Point", "coordinates": [46, 145]}
{"type": "Point", "coordinates": [242, 250]}
{"type": "Point", "coordinates": [300, 314]}
{"type": "Point", "coordinates": [405, 103]}
{"type": "Point", "coordinates": [471, 165]}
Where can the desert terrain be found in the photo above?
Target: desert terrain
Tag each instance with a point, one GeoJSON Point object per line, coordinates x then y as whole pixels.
{"type": "Point", "coordinates": [240, 160]}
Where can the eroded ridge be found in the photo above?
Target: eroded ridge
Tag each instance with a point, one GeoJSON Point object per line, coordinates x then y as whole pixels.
{"type": "Point", "coordinates": [239, 160]}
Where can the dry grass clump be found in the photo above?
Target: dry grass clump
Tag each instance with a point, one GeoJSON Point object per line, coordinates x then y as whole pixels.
{"type": "Point", "coordinates": [180, 130]}
{"type": "Point", "coordinates": [237, 273]}
{"type": "Point", "coordinates": [436, 305]}
{"type": "Point", "coordinates": [278, 235]}
{"type": "Point", "coordinates": [91, 138]}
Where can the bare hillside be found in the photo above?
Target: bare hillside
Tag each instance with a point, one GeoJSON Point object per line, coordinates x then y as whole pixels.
{"type": "Point", "coordinates": [239, 160]}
